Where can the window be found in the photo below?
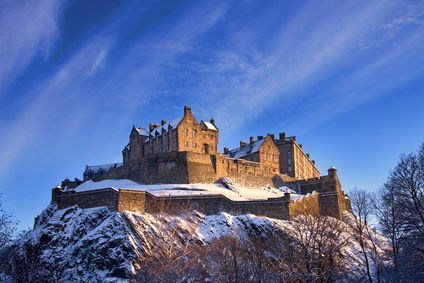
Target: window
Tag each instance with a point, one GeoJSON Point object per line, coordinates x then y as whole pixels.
{"type": "Point", "coordinates": [289, 161]}
{"type": "Point", "coordinates": [160, 149]}
{"type": "Point", "coordinates": [173, 144]}
{"type": "Point", "coordinates": [272, 157]}
{"type": "Point", "coordinates": [167, 147]}
{"type": "Point", "coordinates": [185, 132]}
{"type": "Point", "coordinates": [194, 145]}
{"type": "Point", "coordinates": [151, 141]}
{"type": "Point", "coordinates": [266, 156]}
{"type": "Point", "coordinates": [157, 138]}
{"type": "Point", "coordinates": [288, 146]}
{"type": "Point", "coordinates": [289, 168]}
{"type": "Point", "coordinates": [211, 137]}
{"type": "Point", "coordinates": [211, 147]}
{"type": "Point", "coordinates": [186, 143]}
{"type": "Point", "coordinates": [170, 133]}
{"type": "Point", "coordinates": [194, 133]}
{"type": "Point", "coordinates": [289, 154]}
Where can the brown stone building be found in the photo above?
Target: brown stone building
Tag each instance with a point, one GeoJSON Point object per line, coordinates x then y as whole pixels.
{"type": "Point", "coordinates": [294, 162]}
{"type": "Point", "coordinates": [184, 151]}
{"type": "Point", "coordinates": [262, 151]}
{"type": "Point", "coordinates": [181, 134]}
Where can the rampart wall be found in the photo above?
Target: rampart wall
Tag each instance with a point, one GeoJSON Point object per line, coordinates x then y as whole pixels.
{"type": "Point", "coordinates": [307, 204]}
{"type": "Point", "coordinates": [191, 167]}
{"type": "Point", "coordinates": [185, 167]}
{"type": "Point", "coordinates": [142, 201]}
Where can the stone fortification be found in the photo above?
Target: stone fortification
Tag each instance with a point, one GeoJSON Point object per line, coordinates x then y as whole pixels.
{"type": "Point", "coordinates": [184, 151]}
{"type": "Point", "coordinates": [130, 200]}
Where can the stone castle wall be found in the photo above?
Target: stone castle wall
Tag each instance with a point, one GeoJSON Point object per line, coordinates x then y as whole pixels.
{"type": "Point", "coordinates": [142, 201]}
{"type": "Point", "coordinates": [306, 205]}
{"type": "Point", "coordinates": [190, 167]}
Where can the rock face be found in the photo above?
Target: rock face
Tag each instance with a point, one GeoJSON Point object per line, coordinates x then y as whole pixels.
{"type": "Point", "coordinates": [85, 244]}
{"type": "Point", "coordinates": [99, 245]}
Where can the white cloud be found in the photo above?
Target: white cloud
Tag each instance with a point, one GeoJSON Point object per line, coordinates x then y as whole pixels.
{"type": "Point", "coordinates": [28, 29]}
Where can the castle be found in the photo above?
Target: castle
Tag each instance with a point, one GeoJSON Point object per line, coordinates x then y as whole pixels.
{"type": "Point", "coordinates": [184, 151]}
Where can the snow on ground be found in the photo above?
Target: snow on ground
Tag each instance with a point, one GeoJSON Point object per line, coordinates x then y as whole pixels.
{"type": "Point", "coordinates": [239, 193]}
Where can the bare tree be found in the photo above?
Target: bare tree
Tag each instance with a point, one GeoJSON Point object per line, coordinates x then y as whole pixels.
{"type": "Point", "coordinates": [169, 250]}
{"type": "Point", "coordinates": [7, 226]}
{"type": "Point", "coordinates": [227, 257]}
{"type": "Point", "coordinates": [362, 208]}
{"type": "Point", "coordinates": [391, 225]}
{"type": "Point", "coordinates": [401, 210]}
{"type": "Point", "coordinates": [314, 251]}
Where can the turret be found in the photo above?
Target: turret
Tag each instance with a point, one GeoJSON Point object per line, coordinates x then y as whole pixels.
{"type": "Point", "coordinates": [332, 172]}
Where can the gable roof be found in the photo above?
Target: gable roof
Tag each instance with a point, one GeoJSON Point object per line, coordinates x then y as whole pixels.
{"type": "Point", "coordinates": [245, 150]}
{"type": "Point", "coordinates": [210, 126]}
{"type": "Point", "coordinates": [142, 132]}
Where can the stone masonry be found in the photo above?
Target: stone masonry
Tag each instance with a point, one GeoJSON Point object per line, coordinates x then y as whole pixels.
{"type": "Point", "coordinates": [184, 151]}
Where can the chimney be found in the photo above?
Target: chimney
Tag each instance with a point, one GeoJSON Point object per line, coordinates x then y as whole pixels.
{"type": "Point", "coordinates": [153, 126]}
{"type": "Point", "coordinates": [307, 155]}
{"type": "Point", "coordinates": [243, 143]}
{"type": "Point", "coordinates": [187, 109]}
{"type": "Point", "coordinates": [226, 150]}
{"type": "Point", "coordinates": [260, 138]}
{"type": "Point", "coordinates": [163, 122]}
{"type": "Point", "coordinates": [252, 140]}
{"type": "Point", "coordinates": [301, 146]}
{"type": "Point", "coordinates": [272, 137]}
{"type": "Point", "coordinates": [313, 162]}
{"type": "Point", "coordinates": [282, 136]}
{"type": "Point", "coordinates": [213, 121]}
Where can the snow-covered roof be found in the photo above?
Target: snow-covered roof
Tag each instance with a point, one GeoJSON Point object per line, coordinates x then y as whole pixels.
{"type": "Point", "coordinates": [104, 167]}
{"type": "Point", "coordinates": [174, 123]}
{"type": "Point", "coordinates": [142, 132]}
{"type": "Point", "coordinates": [210, 126]}
{"type": "Point", "coordinates": [245, 150]}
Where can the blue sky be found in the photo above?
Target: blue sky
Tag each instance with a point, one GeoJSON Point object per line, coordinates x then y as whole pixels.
{"type": "Point", "coordinates": [345, 77]}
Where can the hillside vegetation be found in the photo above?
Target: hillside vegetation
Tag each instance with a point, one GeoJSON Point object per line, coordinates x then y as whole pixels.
{"type": "Point", "coordinates": [92, 245]}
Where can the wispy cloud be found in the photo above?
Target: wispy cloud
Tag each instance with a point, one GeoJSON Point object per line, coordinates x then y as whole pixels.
{"type": "Point", "coordinates": [28, 29]}
{"type": "Point", "coordinates": [201, 56]}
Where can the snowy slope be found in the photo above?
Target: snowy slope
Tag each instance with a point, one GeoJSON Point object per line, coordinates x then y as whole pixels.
{"type": "Point", "coordinates": [97, 245]}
